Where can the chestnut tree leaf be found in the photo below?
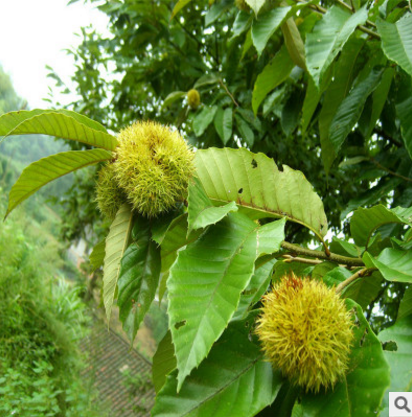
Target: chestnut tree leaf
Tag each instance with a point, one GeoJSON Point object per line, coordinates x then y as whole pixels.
{"type": "Point", "coordinates": [259, 188]}
{"type": "Point", "coordinates": [206, 282]}
{"type": "Point", "coordinates": [63, 124]}
{"type": "Point", "coordinates": [365, 221]}
{"type": "Point", "coordinates": [234, 380]}
{"type": "Point", "coordinates": [201, 211]}
{"type": "Point", "coordinates": [97, 256]}
{"type": "Point", "coordinates": [400, 359]}
{"type": "Point", "coordinates": [138, 278]}
{"type": "Point", "coordinates": [40, 173]}
{"type": "Point", "coordinates": [117, 242]}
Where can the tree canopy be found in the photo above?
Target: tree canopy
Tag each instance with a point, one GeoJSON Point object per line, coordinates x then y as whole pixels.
{"type": "Point", "coordinates": [315, 86]}
{"type": "Point", "coordinates": [299, 117]}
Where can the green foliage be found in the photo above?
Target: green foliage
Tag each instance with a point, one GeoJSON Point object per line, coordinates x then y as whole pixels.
{"type": "Point", "coordinates": [117, 242]}
{"type": "Point", "coordinates": [139, 278]}
{"type": "Point", "coordinates": [9, 100]}
{"type": "Point", "coordinates": [48, 169]}
{"type": "Point", "coordinates": [317, 87]}
{"type": "Point", "coordinates": [233, 379]}
{"type": "Point", "coordinates": [42, 319]}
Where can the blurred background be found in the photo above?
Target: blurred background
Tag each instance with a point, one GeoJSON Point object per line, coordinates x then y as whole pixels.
{"type": "Point", "coordinates": [57, 356]}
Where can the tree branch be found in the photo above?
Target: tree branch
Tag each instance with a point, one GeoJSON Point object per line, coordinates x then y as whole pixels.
{"type": "Point", "coordinates": [395, 174]}
{"type": "Point", "coordinates": [228, 92]}
{"type": "Point", "coordinates": [291, 258]}
{"type": "Point", "coordinates": [342, 3]}
{"type": "Point", "coordinates": [344, 260]}
{"type": "Point", "coordinates": [384, 135]}
{"type": "Point", "coordinates": [359, 274]}
{"type": "Point", "coordinates": [362, 28]}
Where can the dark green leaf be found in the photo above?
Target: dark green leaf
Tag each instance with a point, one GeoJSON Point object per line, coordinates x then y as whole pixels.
{"type": "Point", "coordinates": [310, 103]}
{"type": "Point", "coordinates": [365, 289]}
{"type": "Point", "coordinates": [223, 124]}
{"type": "Point", "coordinates": [328, 38]}
{"type": "Point", "coordinates": [215, 12]}
{"type": "Point", "coordinates": [272, 75]}
{"type": "Point", "coordinates": [266, 25]}
{"type": "Point", "coordinates": [397, 41]}
{"type": "Point", "coordinates": [257, 286]}
{"type": "Point", "coordinates": [335, 276]}
{"type": "Point", "coordinates": [403, 110]}
{"type": "Point", "coordinates": [365, 221]}
{"type": "Point", "coordinates": [342, 247]}
{"type": "Point", "coordinates": [294, 42]}
{"type": "Point", "coordinates": [207, 79]}
{"type": "Point", "coordinates": [345, 72]}
{"type": "Point", "coordinates": [405, 307]}
{"type": "Point", "coordinates": [241, 23]}
{"type": "Point", "coordinates": [138, 278]}
{"type": "Point", "coordinates": [203, 120]}
{"type": "Point", "coordinates": [175, 239]}
{"type": "Point", "coordinates": [350, 110]}
{"type": "Point", "coordinates": [246, 133]}
{"type": "Point", "coordinates": [172, 97]}
{"type": "Point", "coordinates": [393, 264]}
{"type": "Point", "coordinates": [204, 287]}
{"type": "Point", "coordinates": [399, 360]}
{"type": "Point", "coordinates": [291, 112]}
{"type": "Point", "coordinates": [161, 225]}
{"type": "Point", "coordinates": [164, 362]}
{"type": "Point", "coordinates": [379, 97]}
{"type": "Point", "coordinates": [234, 380]}
{"type": "Point", "coordinates": [117, 242]}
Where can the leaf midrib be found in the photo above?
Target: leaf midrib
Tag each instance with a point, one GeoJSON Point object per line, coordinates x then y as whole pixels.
{"type": "Point", "coordinates": [223, 387]}
{"type": "Point", "coordinates": [218, 285]}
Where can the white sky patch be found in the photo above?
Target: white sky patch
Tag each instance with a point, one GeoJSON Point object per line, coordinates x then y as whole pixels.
{"type": "Point", "coordinates": [34, 33]}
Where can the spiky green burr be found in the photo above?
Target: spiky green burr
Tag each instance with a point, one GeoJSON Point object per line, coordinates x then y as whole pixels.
{"type": "Point", "coordinates": [109, 196]}
{"type": "Point", "coordinates": [306, 331]}
{"type": "Point", "coordinates": [153, 165]}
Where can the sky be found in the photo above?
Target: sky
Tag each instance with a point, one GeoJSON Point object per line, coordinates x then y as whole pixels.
{"type": "Point", "coordinates": [34, 33]}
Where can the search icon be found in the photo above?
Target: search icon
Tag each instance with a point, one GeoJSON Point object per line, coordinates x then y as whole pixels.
{"type": "Point", "coordinates": [402, 404]}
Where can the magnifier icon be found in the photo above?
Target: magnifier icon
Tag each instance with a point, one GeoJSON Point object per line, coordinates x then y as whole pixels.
{"type": "Point", "coordinates": [401, 403]}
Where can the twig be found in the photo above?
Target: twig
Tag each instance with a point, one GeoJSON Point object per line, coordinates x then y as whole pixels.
{"type": "Point", "coordinates": [384, 135]}
{"type": "Point", "coordinates": [362, 28]}
{"type": "Point", "coordinates": [290, 258]}
{"type": "Point", "coordinates": [344, 260]}
{"type": "Point", "coordinates": [352, 9]}
{"type": "Point", "coordinates": [359, 274]}
{"type": "Point", "coordinates": [228, 92]}
{"type": "Point", "coordinates": [395, 174]}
